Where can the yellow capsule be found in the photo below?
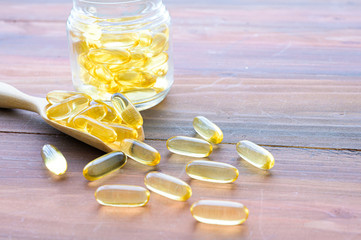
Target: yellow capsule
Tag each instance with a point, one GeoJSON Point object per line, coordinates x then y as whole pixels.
{"type": "Point", "coordinates": [208, 130]}
{"type": "Point", "coordinates": [211, 171]}
{"type": "Point", "coordinates": [104, 165]}
{"type": "Point", "coordinates": [124, 131]}
{"type": "Point", "coordinates": [145, 38]}
{"type": "Point", "coordinates": [111, 115]}
{"type": "Point", "coordinates": [101, 73]}
{"type": "Point", "coordinates": [85, 62]}
{"type": "Point", "coordinates": [137, 95]}
{"type": "Point", "coordinates": [168, 186]}
{"type": "Point", "coordinates": [155, 62]}
{"type": "Point", "coordinates": [96, 111]}
{"type": "Point", "coordinates": [129, 76]}
{"type": "Point", "coordinates": [219, 212]}
{"type": "Point", "coordinates": [255, 155]}
{"type": "Point", "coordinates": [119, 56]}
{"type": "Point", "coordinates": [122, 195]}
{"type": "Point", "coordinates": [58, 96]}
{"type": "Point", "coordinates": [126, 110]}
{"type": "Point", "coordinates": [95, 128]}
{"type": "Point", "coordinates": [158, 44]}
{"type": "Point", "coordinates": [64, 109]}
{"type": "Point", "coordinates": [140, 152]}
{"type": "Point", "coordinates": [188, 146]}
{"type": "Point", "coordinates": [119, 41]}
{"type": "Point", "coordinates": [54, 160]}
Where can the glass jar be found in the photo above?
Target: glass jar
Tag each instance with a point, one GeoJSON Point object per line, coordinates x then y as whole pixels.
{"type": "Point", "coordinates": [121, 46]}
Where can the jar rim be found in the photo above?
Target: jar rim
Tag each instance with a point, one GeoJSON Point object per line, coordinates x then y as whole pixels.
{"type": "Point", "coordinates": [108, 2]}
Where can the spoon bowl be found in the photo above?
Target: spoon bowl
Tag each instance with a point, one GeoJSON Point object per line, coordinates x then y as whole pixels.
{"type": "Point", "coordinates": [11, 97]}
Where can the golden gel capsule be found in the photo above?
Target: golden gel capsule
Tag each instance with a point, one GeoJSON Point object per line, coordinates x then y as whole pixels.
{"type": "Point", "coordinates": [64, 109]}
{"type": "Point", "coordinates": [58, 96]}
{"type": "Point", "coordinates": [122, 195]}
{"type": "Point", "coordinates": [126, 110]}
{"type": "Point", "coordinates": [255, 155]}
{"type": "Point", "coordinates": [95, 128]}
{"type": "Point", "coordinates": [124, 131]}
{"type": "Point", "coordinates": [111, 115]}
{"type": "Point", "coordinates": [211, 171]}
{"type": "Point", "coordinates": [96, 111]}
{"type": "Point", "coordinates": [188, 146]}
{"type": "Point", "coordinates": [54, 160]}
{"type": "Point", "coordinates": [158, 43]}
{"type": "Point", "coordinates": [104, 165]}
{"type": "Point", "coordinates": [208, 130]}
{"type": "Point", "coordinates": [219, 212]}
{"type": "Point", "coordinates": [119, 56]}
{"type": "Point", "coordinates": [168, 186]}
{"type": "Point", "coordinates": [140, 152]}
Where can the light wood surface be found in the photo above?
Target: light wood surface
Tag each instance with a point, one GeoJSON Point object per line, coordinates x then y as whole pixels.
{"type": "Point", "coordinates": [283, 74]}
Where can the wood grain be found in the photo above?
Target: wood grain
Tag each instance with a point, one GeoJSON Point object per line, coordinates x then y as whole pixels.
{"type": "Point", "coordinates": [284, 74]}
{"type": "Point", "coordinates": [300, 197]}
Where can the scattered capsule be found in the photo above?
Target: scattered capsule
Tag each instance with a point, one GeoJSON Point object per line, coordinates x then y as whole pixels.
{"type": "Point", "coordinates": [208, 130]}
{"type": "Point", "coordinates": [95, 128]}
{"type": "Point", "coordinates": [140, 152]}
{"type": "Point", "coordinates": [168, 186]}
{"type": "Point", "coordinates": [58, 96]}
{"type": "Point", "coordinates": [211, 171]}
{"type": "Point", "coordinates": [188, 146]}
{"type": "Point", "coordinates": [219, 212]}
{"type": "Point", "coordinates": [255, 155]}
{"type": "Point", "coordinates": [126, 110]}
{"type": "Point", "coordinates": [64, 109]}
{"type": "Point", "coordinates": [124, 131]}
{"type": "Point", "coordinates": [54, 160]}
{"type": "Point", "coordinates": [104, 165]}
{"type": "Point", "coordinates": [122, 195]}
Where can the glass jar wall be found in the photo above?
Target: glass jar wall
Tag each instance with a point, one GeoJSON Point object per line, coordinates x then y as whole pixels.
{"type": "Point", "coordinates": [121, 46]}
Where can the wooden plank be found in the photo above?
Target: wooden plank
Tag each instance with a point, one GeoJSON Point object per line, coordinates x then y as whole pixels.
{"type": "Point", "coordinates": [308, 194]}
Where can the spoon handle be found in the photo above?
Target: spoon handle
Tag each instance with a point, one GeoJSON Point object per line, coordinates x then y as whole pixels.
{"type": "Point", "coordinates": [11, 97]}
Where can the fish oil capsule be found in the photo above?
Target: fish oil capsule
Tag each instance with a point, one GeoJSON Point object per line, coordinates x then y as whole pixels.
{"type": "Point", "coordinates": [208, 130]}
{"type": "Point", "coordinates": [64, 109]}
{"type": "Point", "coordinates": [188, 146]}
{"type": "Point", "coordinates": [96, 111]}
{"type": "Point", "coordinates": [168, 186]}
{"type": "Point", "coordinates": [106, 56]}
{"type": "Point", "coordinates": [211, 171]}
{"type": "Point", "coordinates": [54, 160]}
{"type": "Point", "coordinates": [145, 38]}
{"type": "Point", "coordinates": [101, 73]}
{"type": "Point", "coordinates": [158, 43]}
{"type": "Point", "coordinates": [140, 152]}
{"type": "Point", "coordinates": [126, 110]}
{"type": "Point", "coordinates": [104, 165]}
{"type": "Point", "coordinates": [58, 96]}
{"type": "Point", "coordinates": [124, 131]}
{"type": "Point", "coordinates": [219, 212]}
{"type": "Point", "coordinates": [255, 155]}
{"type": "Point", "coordinates": [122, 195]}
{"type": "Point", "coordinates": [95, 128]}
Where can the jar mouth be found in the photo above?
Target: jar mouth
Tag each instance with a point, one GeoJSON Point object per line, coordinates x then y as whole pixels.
{"type": "Point", "coordinates": [108, 2]}
{"type": "Point", "coordinates": [119, 15]}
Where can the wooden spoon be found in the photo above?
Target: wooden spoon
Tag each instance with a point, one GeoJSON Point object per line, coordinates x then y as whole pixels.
{"type": "Point", "coordinates": [11, 97]}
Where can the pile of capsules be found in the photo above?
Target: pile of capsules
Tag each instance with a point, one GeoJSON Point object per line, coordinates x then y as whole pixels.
{"type": "Point", "coordinates": [88, 120]}
{"type": "Point", "coordinates": [122, 62]}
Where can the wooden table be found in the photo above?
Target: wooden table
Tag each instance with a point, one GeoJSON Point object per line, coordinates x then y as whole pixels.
{"type": "Point", "coordinates": [283, 74]}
